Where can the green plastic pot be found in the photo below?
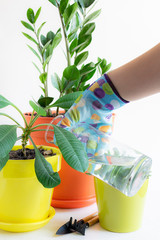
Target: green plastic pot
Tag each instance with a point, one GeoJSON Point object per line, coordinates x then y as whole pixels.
{"type": "Point", "coordinates": [117, 212]}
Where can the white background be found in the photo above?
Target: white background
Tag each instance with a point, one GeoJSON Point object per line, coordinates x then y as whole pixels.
{"type": "Point", "coordinates": [124, 30]}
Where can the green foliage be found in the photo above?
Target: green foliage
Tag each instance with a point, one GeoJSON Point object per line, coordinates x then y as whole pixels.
{"type": "Point", "coordinates": [69, 145]}
{"type": "Point", "coordinates": [45, 46]}
{"type": "Point", "coordinates": [77, 18]}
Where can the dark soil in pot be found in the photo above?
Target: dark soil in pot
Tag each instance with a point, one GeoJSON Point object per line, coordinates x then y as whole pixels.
{"type": "Point", "coordinates": [30, 153]}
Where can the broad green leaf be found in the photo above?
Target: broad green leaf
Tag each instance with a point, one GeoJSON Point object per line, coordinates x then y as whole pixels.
{"type": "Point", "coordinates": [73, 45]}
{"type": "Point", "coordinates": [30, 15]}
{"type": "Point", "coordinates": [56, 82]}
{"type": "Point", "coordinates": [71, 148]}
{"type": "Point", "coordinates": [39, 29]}
{"type": "Point", "coordinates": [71, 73]}
{"type": "Point", "coordinates": [69, 13]}
{"type": "Point", "coordinates": [48, 52]}
{"type": "Point", "coordinates": [50, 36]}
{"type": "Point", "coordinates": [30, 38]}
{"type": "Point", "coordinates": [86, 3]}
{"type": "Point", "coordinates": [67, 100]}
{"type": "Point", "coordinates": [43, 77]}
{"type": "Point", "coordinates": [27, 25]}
{"type": "Point", "coordinates": [45, 101]}
{"type": "Point", "coordinates": [87, 29]}
{"type": "Point", "coordinates": [43, 40]}
{"type": "Point", "coordinates": [63, 5]}
{"type": "Point", "coordinates": [37, 67]}
{"type": "Point", "coordinates": [44, 171]}
{"type": "Point", "coordinates": [89, 75]}
{"type": "Point", "coordinates": [3, 161]}
{"type": "Point", "coordinates": [92, 16]}
{"type": "Point", "coordinates": [34, 51]}
{"type": "Point", "coordinates": [37, 14]}
{"type": "Point", "coordinates": [81, 58]}
{"type": "Point", "coordinates": [87, 68]}
{"type": "Point", "coordinates": [75, 24]}
{"type": "Point", "coordinates": [8, 137]}
{"type": "Point", "coordinates": [106, 68]}
{"type": "Point", "coordinates": [56, 40]}
{"type": "Point", "coordinates": [4, 102]}
{"type": "Point", "coordinates": [70, 84]}
{"type": "Point", "coordinates": [85, 40]}
{"type": "Point", "coordinates": [40, 111]}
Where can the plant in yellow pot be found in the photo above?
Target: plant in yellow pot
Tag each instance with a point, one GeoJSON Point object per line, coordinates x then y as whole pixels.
{"type": "Point", "coordinates": [28, 174]}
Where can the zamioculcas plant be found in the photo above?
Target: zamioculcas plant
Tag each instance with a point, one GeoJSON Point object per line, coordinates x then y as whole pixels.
{"type": "Point", "coordinates": [71, 148]}
{"type": "Point", "coordinates": [44, 52]}
{"type": "Point", "coordinates": [76, 19]}
{"type": "Point", "coordinates": [77, 26]}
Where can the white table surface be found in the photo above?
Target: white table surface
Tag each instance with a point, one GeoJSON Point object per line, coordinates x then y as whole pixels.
{"type": "Point", "coordinates": [150, 228]}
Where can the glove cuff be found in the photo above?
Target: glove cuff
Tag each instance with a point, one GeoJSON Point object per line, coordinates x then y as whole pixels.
{"type": "Point", "coordinates": [114, 88]}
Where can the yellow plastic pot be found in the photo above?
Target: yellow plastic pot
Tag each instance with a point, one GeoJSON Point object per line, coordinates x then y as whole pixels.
{"type": "Point", "coordinates": [117, 212]}
{"type": "Point", "coordinates": [24, 202]}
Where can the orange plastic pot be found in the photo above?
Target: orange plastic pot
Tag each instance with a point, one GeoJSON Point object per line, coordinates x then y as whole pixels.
{"type": "Point", "coordinates": [39, 137]}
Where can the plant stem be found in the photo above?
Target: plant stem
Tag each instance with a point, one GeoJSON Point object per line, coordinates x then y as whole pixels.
{"type": "Point", "coordinates": [65, 37]}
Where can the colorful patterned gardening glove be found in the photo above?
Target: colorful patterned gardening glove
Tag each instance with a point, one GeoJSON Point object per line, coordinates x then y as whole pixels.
{"type": "Point", "coordinates": [90, 117]}
{"type": "Point", "coordinates": [90, 120]}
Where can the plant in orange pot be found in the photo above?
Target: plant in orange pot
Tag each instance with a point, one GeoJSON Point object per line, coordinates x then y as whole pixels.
{"type": "Point", "coordinates": [77, 27]}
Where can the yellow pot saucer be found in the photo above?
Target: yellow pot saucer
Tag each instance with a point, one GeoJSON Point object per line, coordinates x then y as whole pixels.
{"type": "Point", "coordinates": [26, 227]}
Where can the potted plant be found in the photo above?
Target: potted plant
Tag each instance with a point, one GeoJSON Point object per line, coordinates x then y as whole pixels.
{"type": "Point", "coordinates": [77, 27]}
{"type": "Point", "coordinates": [27, 179]}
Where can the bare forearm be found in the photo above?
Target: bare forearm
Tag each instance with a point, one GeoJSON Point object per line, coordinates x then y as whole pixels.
{"type": "Point", "coordinates": [140, 77]}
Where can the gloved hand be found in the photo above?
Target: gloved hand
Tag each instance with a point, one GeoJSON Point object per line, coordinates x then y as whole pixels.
{"type": "Point", "coordinates": [90, 117]}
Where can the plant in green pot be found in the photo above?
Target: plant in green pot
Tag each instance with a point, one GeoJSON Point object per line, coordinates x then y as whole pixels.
{"type": "Point", "coordinates": [28, 173]}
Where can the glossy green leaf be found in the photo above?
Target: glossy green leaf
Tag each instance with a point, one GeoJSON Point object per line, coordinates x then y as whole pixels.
{"type": "Point", "coordinates": [40, 28]}
{"type": "Point", "coordinates": [74, 26]}
{"type": "Point", "coordinates": [56, 82]}
{"type": "Point", "coordinates": [83, 42]}
{"type": "Point", "coordinates": [45, 101]}
{"type": "Point", "coordinates": [92, 16]}
{"type": "Point", "coordinates": [44, 171]}
{"type": "Point", "coordinates": [87, 29]}
{"type": "Point", "coordinates": [30, 15]}
{"type": "Point", "coordinates": [63, 5]}
{"type": "Point", "coordinates": [50, 36]}
{"type": "Point", "coordinates": [43, 77]}
{"type": "Point", "coordinates": [71, 73]}
{"type": "Point", "coordinates": [4, 102]}
{"type": "Point", "coordinates": [71, 148]}
{"type": "Point", "coordinates": [43, 40]}
{"type": "Point", "coordinates": [3, 161]}
{"type": "Point", "coordinates": [81, 58]}
{"type": "Point", "coordinates": [27, 25]}
{"type": "Point", "coordinates": [86, 3]}
{"type": "Point", "coordinates": [34, 51]}
{"type": "Point", "coordinates": [69, 13]}
{"type": "Point", "coordinates": [67, 100]}
{"type": "Point", "coordinates": [40, 111]}
{"type": "Point", "coordinates": [37, 14]}
{"type": "Point", "coordinates": [56, 40]}
{"type": "Point", "coordinates": [8, 137]}
{"type": "Point", "coordinates": [30, 38]}
{"type": "Point", "coordinates": [73, 45]}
